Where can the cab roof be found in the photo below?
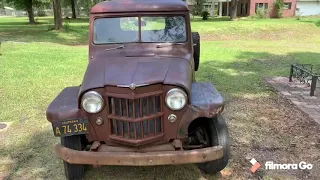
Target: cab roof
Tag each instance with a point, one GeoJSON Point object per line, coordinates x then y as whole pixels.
{"type": "Point", "coordinates": [139, 6]}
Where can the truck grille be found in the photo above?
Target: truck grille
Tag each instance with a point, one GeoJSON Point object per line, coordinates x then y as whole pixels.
{"type": "Point", "coordinates": [135, 119]}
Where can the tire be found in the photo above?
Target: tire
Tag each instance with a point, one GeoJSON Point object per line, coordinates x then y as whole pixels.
{"type": "Point", "coordinates": [196, 50]}
{"type": "Point", "coordinates": [73, 171]}
{"type": "Point", "coordinates": [219, 136]}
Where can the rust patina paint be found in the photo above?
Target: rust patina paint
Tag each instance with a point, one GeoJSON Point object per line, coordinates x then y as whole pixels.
{"type": "Point", "coordinates": [139, 63]}
{"type": "Point", "coordinates": [157, 70]}
{"type": "Point", "coordinates": [130, 6]}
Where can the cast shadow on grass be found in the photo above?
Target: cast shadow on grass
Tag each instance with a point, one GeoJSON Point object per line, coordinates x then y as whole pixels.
{"type": "Point", "coordinates": [20, 24]}
{"type": "Point", "coordinates": [75, 33]}
{"type": "Point", "coordinates": [211, 19]}
{"type": "Point", "coordinates": [31, 159]}
{"type": "Point", "coordinates": [166, 172]}
{"type": "Point", "coordinates": [36, 160]}
{"type": "Point", "coordinates": [77, 20]}
{"type": "Point", "coordinates": [246, 76]}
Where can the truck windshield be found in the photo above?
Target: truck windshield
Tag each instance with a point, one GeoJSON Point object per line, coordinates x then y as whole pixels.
{"type": "Point", "coordinates": [158, 29]}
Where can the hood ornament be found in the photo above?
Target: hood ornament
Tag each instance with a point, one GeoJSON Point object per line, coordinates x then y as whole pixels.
{"type": "Point", "coordinates": [132, 86]}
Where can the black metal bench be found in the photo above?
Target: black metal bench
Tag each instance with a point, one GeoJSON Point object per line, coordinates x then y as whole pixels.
{"type": "Point", "coordinates": [305, 73]}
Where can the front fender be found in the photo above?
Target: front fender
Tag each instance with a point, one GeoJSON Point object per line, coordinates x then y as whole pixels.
{"type": "Point", "coordinates": [206, 101]}
{"type": "Point", "coordinates": [65, 106]}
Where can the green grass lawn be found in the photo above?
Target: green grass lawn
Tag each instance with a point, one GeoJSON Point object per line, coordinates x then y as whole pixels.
{"type": "Point", "coordinates": [36, 64]}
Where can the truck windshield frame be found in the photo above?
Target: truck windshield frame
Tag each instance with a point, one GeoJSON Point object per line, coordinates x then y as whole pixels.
{"type": "Point", "coordinates": [140, 29]}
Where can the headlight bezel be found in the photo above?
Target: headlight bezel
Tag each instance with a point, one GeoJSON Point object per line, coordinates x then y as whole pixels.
{"type": "Point", "coordinates": [92, 93]}
{"type": "Point", "coordinates": [173, 90]}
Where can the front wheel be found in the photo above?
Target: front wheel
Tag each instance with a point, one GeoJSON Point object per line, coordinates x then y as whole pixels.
{"type": "Point", "coordinates": [214, 132]}
{"type": "Point", "coordinates": [73, 171]}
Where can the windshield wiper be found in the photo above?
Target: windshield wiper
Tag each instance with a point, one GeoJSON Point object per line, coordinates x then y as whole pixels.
{"type": "Point", "coordinates": [119, 47]}
{"type": "Point", "coordinates": [168, 44]}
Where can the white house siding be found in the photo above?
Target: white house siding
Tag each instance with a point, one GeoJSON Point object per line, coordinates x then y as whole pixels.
{"type": "Point", "coordinates": [308, 8]}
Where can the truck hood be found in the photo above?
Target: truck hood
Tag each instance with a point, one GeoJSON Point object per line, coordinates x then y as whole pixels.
{"type": "Point", "coordinates": [138, 70]}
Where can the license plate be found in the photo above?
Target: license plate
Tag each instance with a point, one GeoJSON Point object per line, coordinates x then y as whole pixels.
{"type": "Point", "coordinates": [70, 127]}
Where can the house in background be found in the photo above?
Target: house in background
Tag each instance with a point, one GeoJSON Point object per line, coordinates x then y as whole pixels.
{"type": "Point", "coordinates": [8, 11]}
{"type": "Point", "coordinates": [247, 7]}
{"type": "Point", "coordinates": [217, 7]}
{"type": "Point", "coordinates": [288, 11]}
{"type": "Point", "coordinates": [308, 7]}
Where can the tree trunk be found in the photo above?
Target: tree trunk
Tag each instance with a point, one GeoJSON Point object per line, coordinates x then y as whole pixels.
{"type": "Point", "coordinates": [73, 9]}
{"type": "Point", "coordinates": [213, 8]}
{"type": "Point", "coordinates": [29, 9]}
{"type": "Point", "coordinates": [57, 14]}
{"type": "Point", "coordinates": [234, 8]}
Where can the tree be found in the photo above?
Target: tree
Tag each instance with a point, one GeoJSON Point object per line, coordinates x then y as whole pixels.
{"type": "Point", "coordinates": [198, 6]}
{"type": "Point", "coordinates": [29, 10]}
{"type": "Point", "coordinates": [279, 5]}
{"type": "Point", "coordinates": [26, 5]}
{"type": "Point", "coordinates": [234, 8]}
{"type": "Point", "coordinates": [73, 8]}
{"type": "Point", "coordinates": [2, 4]}
{"type": "Point", "coordinates": [57, 14]}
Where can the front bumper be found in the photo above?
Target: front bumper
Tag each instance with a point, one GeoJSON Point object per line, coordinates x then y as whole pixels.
{"type": "Point", "coordinates": [139, 159]}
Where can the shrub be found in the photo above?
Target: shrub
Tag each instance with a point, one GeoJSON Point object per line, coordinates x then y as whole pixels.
{"type": "Point", "coordinates": [279, 5]}
{"type": "Point", "coordinates": [317, 23]}
{"type": "Point", "coordinates": [261, 14]}
{"type": "Point", "coordinates": [41, 13]}
{"type": "Point", "coordinates": [252, 17]}
{"type": "Point", "coordinates": [194, 12]}
{"type": "Point", "coordinates": [66, 25]}
{"type": "Point", "coordinates": [205, 15]}
{"type": "Point", "coordinates": [298, 14]}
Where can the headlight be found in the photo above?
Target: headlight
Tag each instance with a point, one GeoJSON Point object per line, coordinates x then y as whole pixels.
{"type": "Point", "coordinates": [92, 102]}
{"type": "Point", "coordinates": [176, 99]}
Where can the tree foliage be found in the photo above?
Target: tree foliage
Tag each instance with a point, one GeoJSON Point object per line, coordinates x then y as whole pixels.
{"type": "Point", "coordinates": [72, 5]}
{"type": "Point", "coordinates": [80, 6]}
{"type": "Point", "coordinates": [198, 7]}
{"type": "Point", "coordinates": [279, 5]}
{"type": "Point", "coordinates": [28, 5]}
{"type": "Point", "coordinates": [2, 3]}
{"type": "Point", "coordinates": [22, 4]}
